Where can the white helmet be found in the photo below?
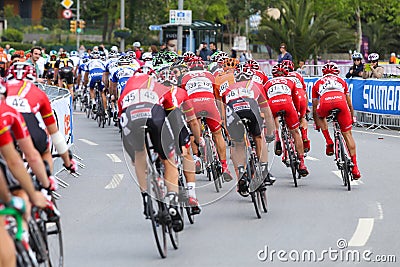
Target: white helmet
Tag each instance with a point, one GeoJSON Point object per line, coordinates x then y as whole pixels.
{"type": "Point", "coordinates": [136, 44]}
{"type": "Point", "coordinates": [373, 57]}
{"type": "Point", "coordinates": [114, 48]}
{"type": "Point", "coordinates": [147, 56]}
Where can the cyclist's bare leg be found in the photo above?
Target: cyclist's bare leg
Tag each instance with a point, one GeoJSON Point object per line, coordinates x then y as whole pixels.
{"type": "Point", "coordinates": [71, 89]}
{"type": "Point", "coordinates": [171, 174]}
{"type": "Point", "coordinates": [188, 165]}
{"type": "Point", "coordinates": [7, 249]}
{"type": "Point", "coordinates": [220, 144]}
{"type": "Point", "coordinates": [140, 164]}
{"type": "Point", "coordinates": [351, 145]}
{"type": "Point", "coordinates": [103, 95]}
{"type": "Point", "coordinates": [238, 155]}
{"type": "Point", "coordinates": [270, 123]}
{"type": "Point", "coordinates": [298, 143]}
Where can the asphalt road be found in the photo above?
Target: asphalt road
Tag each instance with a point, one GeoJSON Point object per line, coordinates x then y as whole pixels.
{"type": "Point", "coordinates": [319, 222]}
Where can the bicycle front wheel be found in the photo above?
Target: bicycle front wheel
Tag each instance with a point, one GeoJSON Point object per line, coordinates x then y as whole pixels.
{"type": "Point", "coordinates": [54, 242]}
{"type": "Point", "coordinates": [156, 211]}
{"type": "Point", "coordinates": [345, 170]}
{"type": "Point", "coordinates": [292, 160]}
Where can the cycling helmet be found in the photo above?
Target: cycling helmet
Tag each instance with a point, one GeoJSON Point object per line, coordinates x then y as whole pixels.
{"type": "Point", "coordinates": [63, 54]}
{"type": "Point", "coordinates": [147, 56]}
{"type": "Point", "coordinates": [289, 64]}
{"type": "Point", "coordinates": [279, 70]}
{"type": "Point", "coordinates": [373, 57]}
{"type": "Point", "coordinates": [124, 61]}
{"type": "Point", "coordinates": [252, 64]}
{"type": "Point", "coordinates": [53, 53]}
{"type": "Point", "coordinates": [21, 53]}
{"type": "Point", "coordinates": [146, 70]}
{"type": "Point", "coordinates": [196, 63]}
{"type": "Point", "coordinates": [356, 55]}
{"type": "Point", "coordinates": [242, 73]}
{"type": "Point", "coordinates": [167, 77]}
{"type": "Point", "coordinates": [112, 54]}
{"type": "Point", "coordinates": [114, 48]}
{"type": "Point", "coordinates": [131, 54]}
{"type": "Point", "coordinates": [74, 53]}
{"type": "Point", "coordinates": [330, 68]}
{"type": "Point", "coordinates": [102, 55]}
{"type": "Point", "coordinates": [214, 56]}
{"type": "Point", "coordinates": [21, 71]}
{"type": "Point", "coordinates": [136, 44]}
{"type": "Point", "coordinates": [188, 55]}
{"type": "Point", "coordinates": [230, 63]}
{"type": "Point", "coordinates": [95, 55]}
{"type": "Point", "coordinates": [85, 58]}
{"type": "Point", "coordinates": [171, 56]}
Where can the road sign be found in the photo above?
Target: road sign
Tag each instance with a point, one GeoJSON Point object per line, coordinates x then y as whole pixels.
{"type": "Point", "coordinates": [155, 28]}
{"type": "Point", "coordinates": [67, 13]}
{"type": "Point", "coordinates": [180, 17]}
{"type": "Point", "coordinates": [67, 3]}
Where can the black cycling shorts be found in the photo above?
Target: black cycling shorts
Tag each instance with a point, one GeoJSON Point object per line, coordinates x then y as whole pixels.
{"type": "Point", "coordinates": [66, 73]}
{"type": "Point", "coordinates": [243, 108]}
{"type": "Point", "coordinates": [39, 136]}
{"type": "Point", "coordinates": [10, 180]}
{"type": "Point", "coordinates": [153, 116]}
{"type": "Point", "coordinates": [177, 121]}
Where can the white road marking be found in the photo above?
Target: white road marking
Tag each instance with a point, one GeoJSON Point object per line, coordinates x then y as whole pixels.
{"type": "Point", "coordinates": [362, 233]}
{"type": "Point", "coordinates": [88, 142]}
{"type": "Point", "coordinates": [311, 158]}
{"type": "Point", "coordinates": [354, 182]}
{"type": "Point", "coordinates": [373, 133]}
{"type": "Point", "coordinates": [380, 210]}
{"type": "Point", "coordinates": [114, 157]}
{"type": "Point", "coordinates": [115, 181]}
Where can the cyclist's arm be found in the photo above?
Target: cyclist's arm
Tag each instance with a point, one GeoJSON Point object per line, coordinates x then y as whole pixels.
{"type": "Point", "coordinates": [56, 65]}
{"type": "Point", "coordinates": [315, 102]}
{"type": "Point", "coordinates": [17, 168]}
{"type": "Point", "coordinates": [59, 143]}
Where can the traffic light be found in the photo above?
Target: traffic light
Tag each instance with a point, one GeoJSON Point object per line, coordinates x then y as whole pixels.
{"type": "Point", "coordinates": [82, 24]}
{"type": "Point", "coordinates": [72, 25]}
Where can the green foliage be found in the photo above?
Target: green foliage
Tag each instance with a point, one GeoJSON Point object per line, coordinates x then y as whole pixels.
{"type": "Point", "coordinates": [50, 11]}
{"type": "Point", "coordinates": [12, 35]}
{"type": "Point", "coordinates": [305, 32]}
{"type": "Point", "coordinates": [12, 20]}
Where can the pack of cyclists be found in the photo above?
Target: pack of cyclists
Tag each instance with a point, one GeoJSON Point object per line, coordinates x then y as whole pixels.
{"type": "Point", "coordinates": [166, 95]}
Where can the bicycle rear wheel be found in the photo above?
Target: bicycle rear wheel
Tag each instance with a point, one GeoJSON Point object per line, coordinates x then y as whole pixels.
{"type": "Point", "coordinates": [262, 195]}
{"type": "Point", "coordinates": [345, 170]}
{"type": "Point", "coordinates": [22, 257]}
{"type": "Point", "coordinates": [292, 160]}
{"type": "Point", "coordinates": [157, 215]}
{"type": "Point", "coordinates": [250, 172]}
{"type": "Point", "coordinates": [37, 243]}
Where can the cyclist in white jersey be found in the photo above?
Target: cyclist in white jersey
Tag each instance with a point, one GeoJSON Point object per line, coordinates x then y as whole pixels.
{"type": "Point", "coordinates": [93, 74]}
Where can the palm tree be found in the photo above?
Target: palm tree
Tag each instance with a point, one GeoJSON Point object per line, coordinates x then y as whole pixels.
{"type": "Point", "coordinates": [305, 32]}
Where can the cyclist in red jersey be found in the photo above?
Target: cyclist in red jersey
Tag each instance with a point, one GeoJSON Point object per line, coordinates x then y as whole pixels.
{"type": "Point", "coordinates": [140, 104]}
{"type": "Point", "coordinates": [177, 105]}
{"type": "Point", "coordinates": [261, 78]}
{"type": "Point", "coordinates": [281, 94]}
{"type": "Point", "coordinates": [245, 99]}
{"type": "Point", "coordinates": [199, 85]}
{"type": "Point", "coordinates": [303, 101]}
{"type": "Point", "coordinates": [330, 92]}
{"type": "Point", "coordinates": [28, 99]}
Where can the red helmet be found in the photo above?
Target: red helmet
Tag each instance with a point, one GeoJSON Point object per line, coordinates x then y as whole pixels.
{"type": "Point", "coordinates": [188, 55]}
{"type": "Point", "coordinates": [167, 77]}
{"type": "Point", "coordinates": [243, 73]}
{"type": "Point", "coordinates": [146, 70]}
{"type": "Point", "coordinates": [330, 68]}
{"type": "Point", "coordinates": [279, 70]}
{"type": "Point", "coordinates": [252, 64]}
{"type": "Point", "coordinates": [289, 64]}
{"type": "Point", "coordinates": [196, 63]}
{"type": "Point", "coordinates": [21, 71]}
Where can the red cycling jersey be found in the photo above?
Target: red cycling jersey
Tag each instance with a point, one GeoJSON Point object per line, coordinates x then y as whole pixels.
{"type": "Point", "coordinates": [331, 91]}
{"type": "Point", "coordinates": [260, 77]}
{"type": "Point", "coordinates": [301, 93]}
{"type": "Point", "coordinates": [11, 120]}
{"type": "Point", "coordinates": [281, 95]}
{"type": "Point", "coordinates": [141, 88]}
{"type": "Point", "coordinates": [199, 86]}
{"type": "Point", "coordinates": [178, 98]}
{"type": "Point", "coordinates": [26, 97]}
{"type": "Point", "coordinates": [246, 89]}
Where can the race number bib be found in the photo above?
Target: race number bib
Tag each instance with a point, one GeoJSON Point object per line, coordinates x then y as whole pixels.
{"type": "Point", "coordinates": [139, 96]}
{"type": "Point", "coordinates": [278, 89]}
{"type": "Point", "coordinates": [239, 93]}
{"type": "Point", "coordinates": [20, 104]}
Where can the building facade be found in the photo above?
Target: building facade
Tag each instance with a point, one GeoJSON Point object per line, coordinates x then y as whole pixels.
{"type": "Point", "coordinates": [26, 9]}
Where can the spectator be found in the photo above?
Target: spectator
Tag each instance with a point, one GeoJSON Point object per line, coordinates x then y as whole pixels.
{"type": "Point", "coordinates": [357, 69]}
{"type": "Point", "coordinates": [203, 51]}
{"type": "Point", "coordinates": [213, 48]}
{"type": "Point", "coordinates": [172, 45]}
{"type": "Point", "coordinates": [153, 49]}
{"type": "Point", "coordinates": [285, 55]}
{"type": "Point", "coordinates": [7, 49]}
{"type": "Point", "coordinates": [393, 59]}
{"type": "Point", "coordinates": [163, 47]}
{"type": "Point", "coordinates": [36, 53]}
{"type": "Point", "coordinates": [242, 57]}
{"type": "Point", "coordinates": [234, 52]}
{"type": "Point", "coordinates": [372, 70]}
{"type": "Point", "coordinates": [136, 48]}
{"type": "Point", "coordinates": [302, 69]}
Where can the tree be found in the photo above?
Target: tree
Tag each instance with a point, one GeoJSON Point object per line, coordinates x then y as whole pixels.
{"type": "Point", "coordinates": [50, 9]}
{"type": "Point", "coordinates": [305, 32]}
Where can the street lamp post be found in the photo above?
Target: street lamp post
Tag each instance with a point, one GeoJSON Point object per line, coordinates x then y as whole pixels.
{"type": "Point", "coordinates": [122, 42]}
{"type": "Point", "coordinates": [180, 30]}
